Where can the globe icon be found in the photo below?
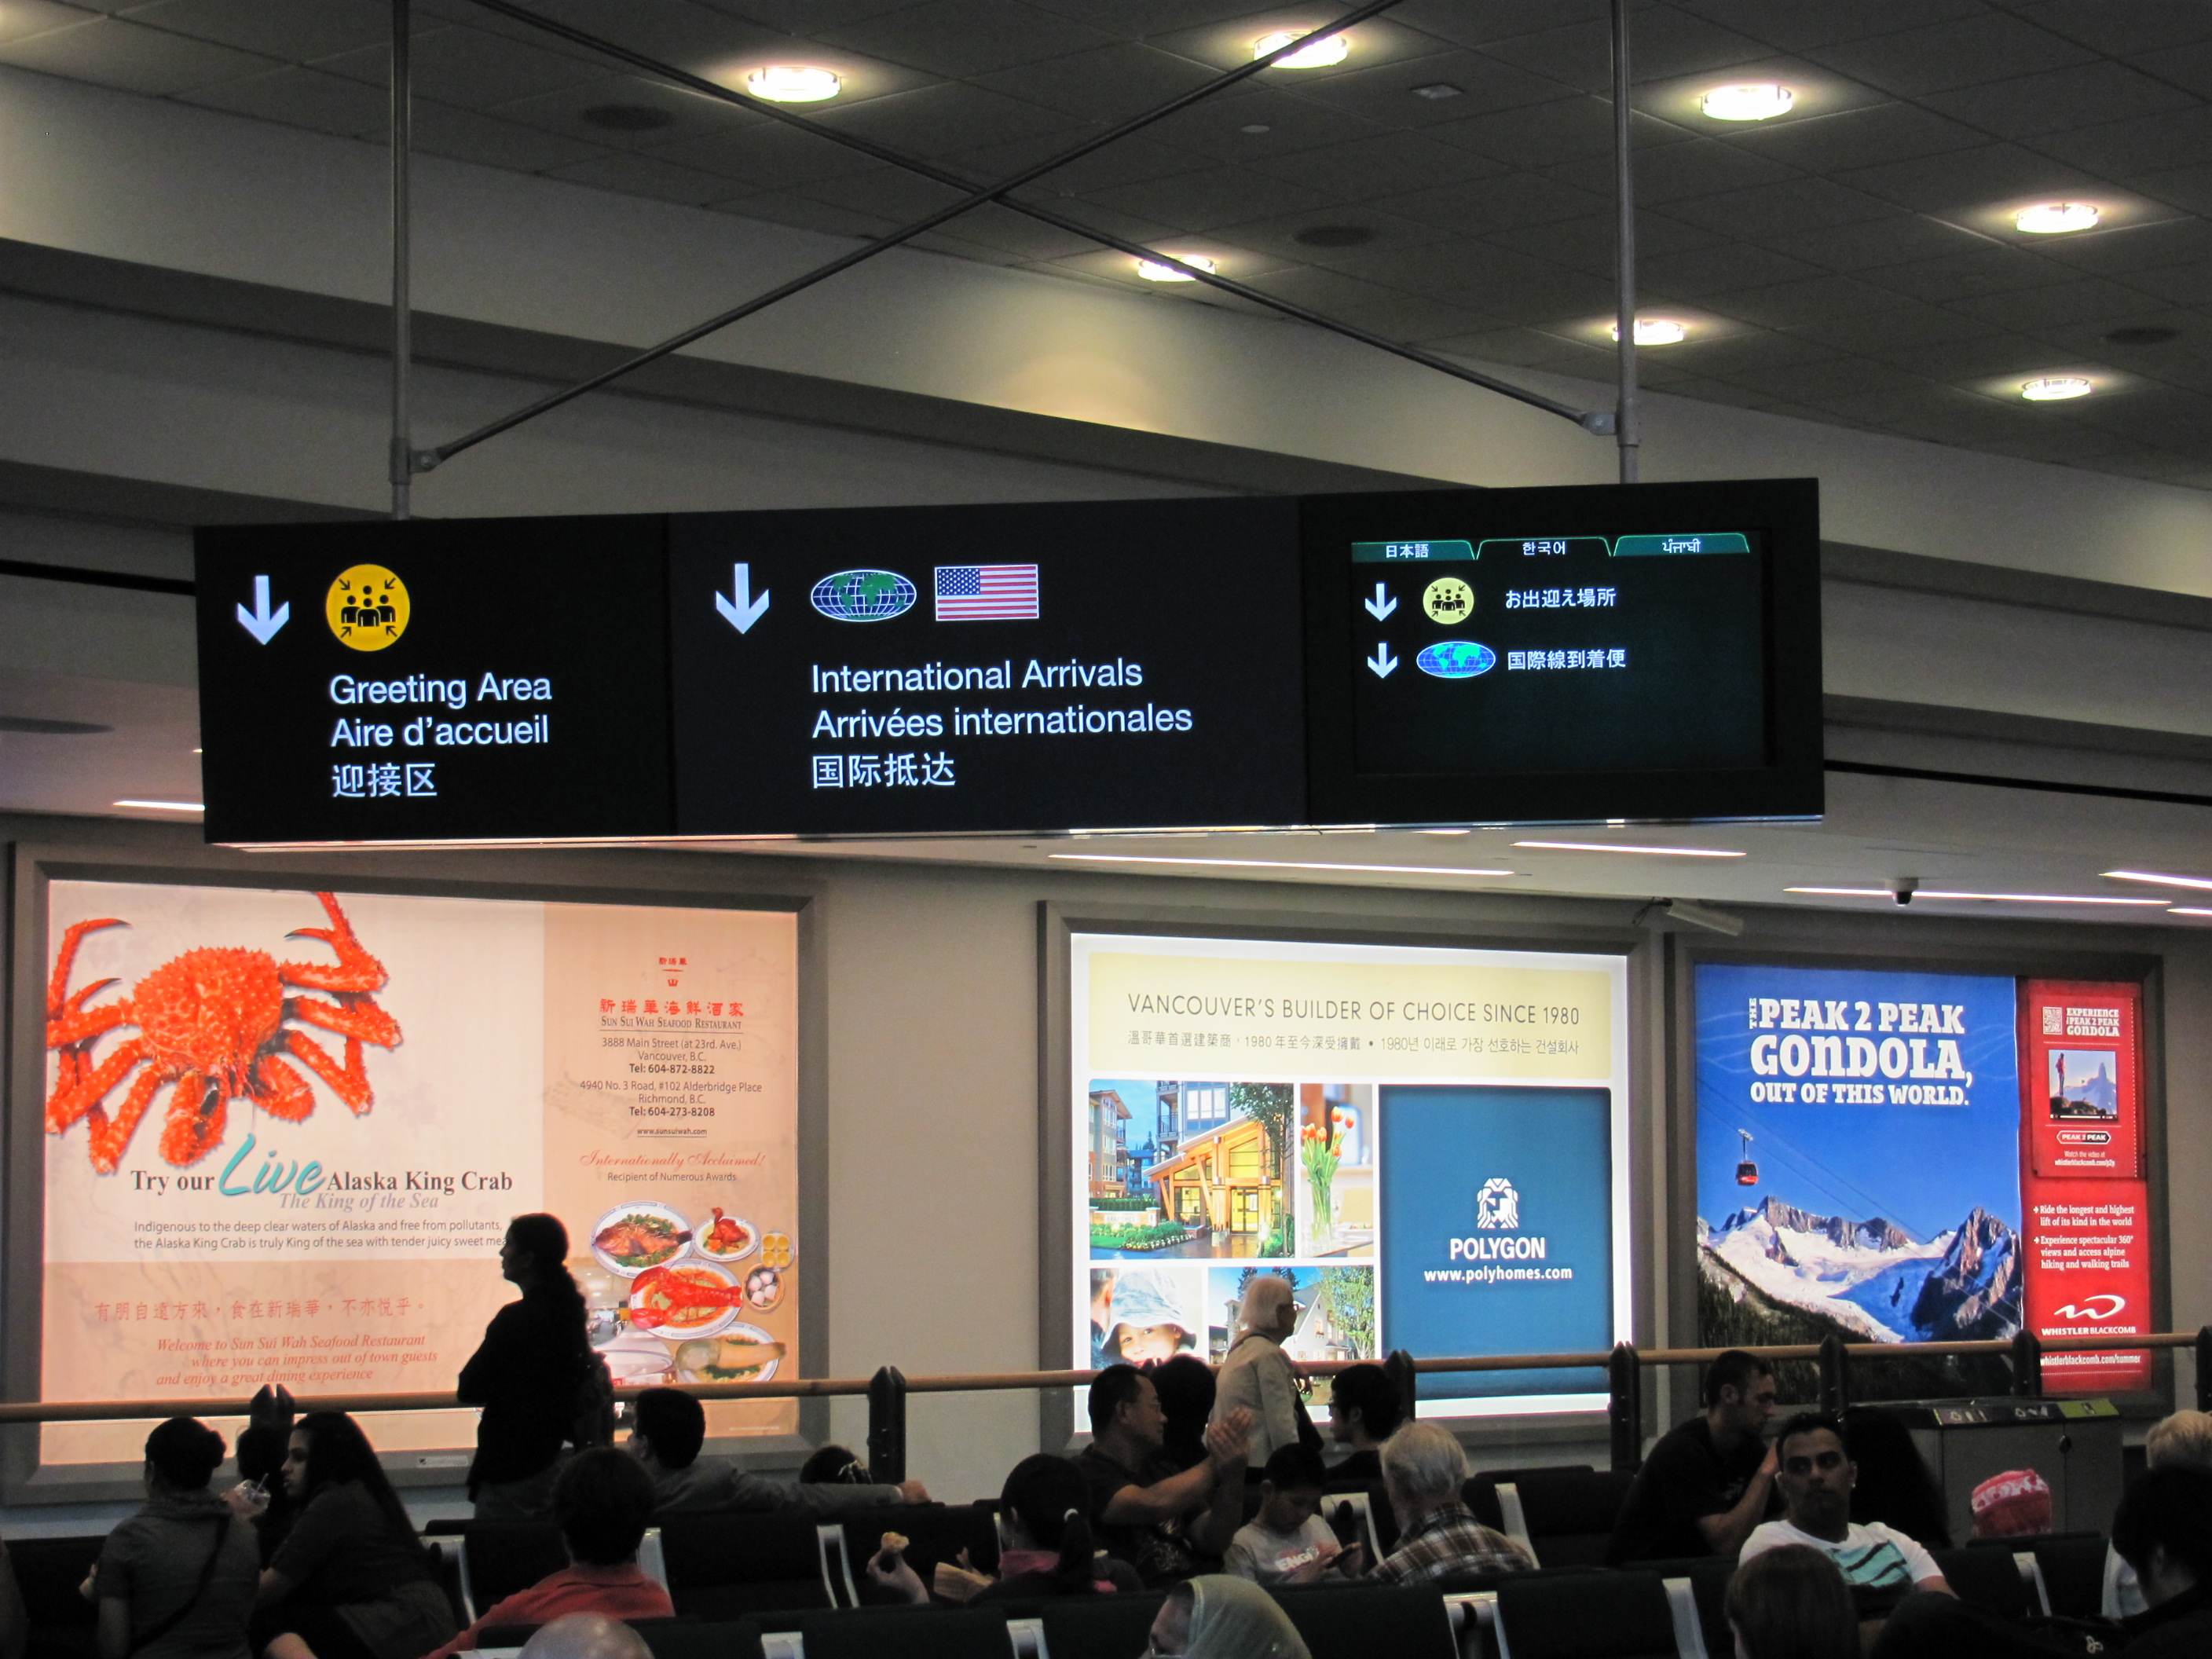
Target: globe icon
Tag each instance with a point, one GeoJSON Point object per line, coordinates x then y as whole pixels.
{"type": "Point", "coordinates": [864, 595]}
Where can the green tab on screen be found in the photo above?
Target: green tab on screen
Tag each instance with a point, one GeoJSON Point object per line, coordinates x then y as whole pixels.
{"type": "Point", "coordinates": [1635, 547]}
{"type": "Point", "coordinates": [1401, 552]}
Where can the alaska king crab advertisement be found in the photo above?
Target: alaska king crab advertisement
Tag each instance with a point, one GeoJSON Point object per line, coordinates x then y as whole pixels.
{"type": "Point", "coordinates": [1908, 1157]}
{"type": "Point", "coordinates": [286, 1130]}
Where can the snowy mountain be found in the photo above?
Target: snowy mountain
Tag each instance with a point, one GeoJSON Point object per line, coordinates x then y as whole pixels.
{"type": "Point", "coordinates": [1871, 1279]}
{"type": "Point", "coordinates": [2099, 1091]}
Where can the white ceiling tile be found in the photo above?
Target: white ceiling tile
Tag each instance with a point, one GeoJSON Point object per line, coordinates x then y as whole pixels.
{"type": "Point", "coordinates": [300, 97]}
{"type": "Point", "coordinates": [285, 29]}
{"type": "Point", "coordinates": [112, 53]}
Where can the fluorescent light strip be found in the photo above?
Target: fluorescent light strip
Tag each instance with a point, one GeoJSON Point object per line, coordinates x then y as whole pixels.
{"type": "Point", "coordinates": [2199, 882]}
{"type": "Point", "coordinates": [166, 805]}
{"type": "Point", "coordinates": [1279, 863]}
{"type": "Point", "coordinates": [1995, 898]}
{"type": "Point", "coordinates": [2185, 910]}
{"type": "Point", "coordinates": [1609, 846]}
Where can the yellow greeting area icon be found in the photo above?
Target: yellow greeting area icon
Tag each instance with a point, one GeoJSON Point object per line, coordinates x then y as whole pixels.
{"type": "Point", "coordinates": [366, 607]}
{"type": "Point", "coordinates": [1448, 599]}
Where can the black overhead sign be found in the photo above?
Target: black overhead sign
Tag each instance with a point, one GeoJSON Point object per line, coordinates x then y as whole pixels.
{"type": "Point", "coordinates": [1461, 656]}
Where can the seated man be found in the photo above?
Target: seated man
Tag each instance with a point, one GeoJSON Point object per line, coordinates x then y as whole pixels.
{"type": "Point", "coordinates": [1439, 1537]}
{"type": "Point", "coordinates": [602, 1503]}
{"type": "Point", "coordinates": [665, 1436]}
{"type": "Point", "coordinates": [1166, 1522]}
{"type": "Point", "coordinates": [2185, 1438]}
{"type": "Point", "coordinates": [1708, 1481]}
{"type": "Point", "coordinates": [2163, 1530]}
{"type": "Point", "coordinates": [1881, 1565]}
{"type": "Point", "coordinates": [1363, 1413]}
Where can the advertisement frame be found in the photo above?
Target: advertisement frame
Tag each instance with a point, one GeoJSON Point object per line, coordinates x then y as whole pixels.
{"type": "Point", "coordinates": [34, 867]}
{"type": "Point", "coordinates": [2027, 961]}
{"type": "Point", "coordinates": [1059, 921]}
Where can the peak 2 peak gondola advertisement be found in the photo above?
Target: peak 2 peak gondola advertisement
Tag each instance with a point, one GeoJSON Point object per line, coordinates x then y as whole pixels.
{"type": "Point", "coordinates": [1913, 1157]}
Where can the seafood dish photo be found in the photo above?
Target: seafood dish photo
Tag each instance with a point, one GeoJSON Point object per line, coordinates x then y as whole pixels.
{"type": "Point", "coordinates": [636, 1237]}
{"type": "Point", "coordinates": [744, 1353]}
{"type": "Point", "coordinates": [727, 1238]}
{"type": "Point", "coordinates": [694, 1299]}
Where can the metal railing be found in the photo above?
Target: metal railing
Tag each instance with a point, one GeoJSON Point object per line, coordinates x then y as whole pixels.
{"type": "Point", "coordinates": [888, 1390]}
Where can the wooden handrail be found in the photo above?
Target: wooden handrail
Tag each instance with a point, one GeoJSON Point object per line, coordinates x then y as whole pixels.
{"type": "Point", "coordinates": [817, 1388]}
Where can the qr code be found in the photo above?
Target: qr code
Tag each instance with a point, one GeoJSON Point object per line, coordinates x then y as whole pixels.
{"type": "Point", "coordinates": [2054, 1022]}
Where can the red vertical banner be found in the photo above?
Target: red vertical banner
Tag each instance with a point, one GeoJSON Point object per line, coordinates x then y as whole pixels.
{"type": "Point", "coordinates": [2082, 1180]}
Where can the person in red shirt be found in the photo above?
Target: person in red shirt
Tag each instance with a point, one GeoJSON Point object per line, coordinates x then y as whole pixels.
{"type": "Point", "coordinates": [602, 1503]}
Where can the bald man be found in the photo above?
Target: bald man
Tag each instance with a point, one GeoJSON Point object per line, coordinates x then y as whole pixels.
{"type": "Point", "coordinates": [586, 1635]}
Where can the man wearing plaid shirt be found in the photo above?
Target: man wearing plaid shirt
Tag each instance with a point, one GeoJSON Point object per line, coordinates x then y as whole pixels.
{"type": "Point", "coordinates": [1439, 1536]}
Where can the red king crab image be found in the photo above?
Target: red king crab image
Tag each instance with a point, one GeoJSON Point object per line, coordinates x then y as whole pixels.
{"type": "Point", "coordinates": [213, 1022]}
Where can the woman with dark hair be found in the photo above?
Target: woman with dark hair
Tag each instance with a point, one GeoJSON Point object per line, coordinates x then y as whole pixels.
{"type": "Point", "coordinates": [526, 1375]}
{"type": "Point", "coordinates": [176, 1581]}
{"type": "Point", "coordinates": [1792, 1603]}
{"type": "Point", "coordinates": [352, 1581]}
{"type": "Point", "coordinates": [1045, 1546]}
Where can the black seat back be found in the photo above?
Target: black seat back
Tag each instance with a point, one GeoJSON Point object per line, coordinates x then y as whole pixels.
{"type": "Point", "coordinates": [691, 1638]}
{"type": "Point", "coordinates": [1099, 1626]}
{"type": "Point", "coordinates": [1586, 1615]}
{"type": "Point", "coordinates": [1353, 1621]}
{"type": "Point", "coordinates": [907, 1632]}
{"type": "Point", "coordinates": [2072, 1568]}
{"type": "Point", "coordinates": [934, 1533]}
{"type": "Point", "coordinates": [507, 1556]}
{"type": "Point", "coordinates": [1988, 1579]}
{"type": "Point", "coordinates": [723, 1565]}
{"type": "Point", "coordinates": [1570, 1512]}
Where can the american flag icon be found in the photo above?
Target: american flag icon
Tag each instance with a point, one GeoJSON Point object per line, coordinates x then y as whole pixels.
{"type": "Point", "coordinates": [985, 592]}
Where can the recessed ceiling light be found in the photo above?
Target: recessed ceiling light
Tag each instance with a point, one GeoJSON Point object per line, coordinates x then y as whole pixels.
{"type": "Point", "coordinates": [166, 805]}
{"type": "Point", "coordinates": [794, 83]}
{"type": "Point", "coordinates": [2056, 218]}
{"type": "Point", "coordinates": [1653, 331]}
{"type": "Point", "coordinates": [2055, 388]}
{"type": "Point", "coordinates": [1611, 847]}
{"type": "Point", "coordinates": [1438, 89]}
{"type": "Point", "coordinates": [2162, 881]}
{"type": "Point", "coordinates": [1332, 49]}
{"type": "Point", "coordinates": [1890, 894]}
{"type": "Point", "coordinates": [1279, 863]}
{"type": "Point", "coordinates": [2141, 337]}
{"type": "Point", "coordinates": [627, 118]}
{"type": "Point", "coordinates": [1152, 271]}
{"type": "Point", "coordinates": [1759, 100]}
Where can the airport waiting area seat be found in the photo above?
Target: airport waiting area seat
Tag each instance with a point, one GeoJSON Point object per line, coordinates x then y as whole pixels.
{"type": "Point", "coordinates": [1564, 1516]}
{"type": "Point", "coordinates": [1586, 1615]}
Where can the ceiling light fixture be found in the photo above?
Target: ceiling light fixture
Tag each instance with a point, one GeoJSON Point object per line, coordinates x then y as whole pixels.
{"type": "Point", "coordinates": [1611, 847]}
{"type": "Point", "coordinates": [794, 83]}
{"type": "Point", "coordinates": [2056, 218]}
{"type": "Point", "coordinates": [2055, 388]}
{"type": "Point", "coordinates": [1759, 100]}
{"type": "Point", "coordinates": [1653, 331]}
{"type": "Point", "coordinates": [1320, 54]}
{"type": "Point", "coordinates": [1279, 864]}
{"type": "Point", "coordinates": [1445, 832]}
{"type": "Point", "coordinates": [1152, 271]}
{"type": "Point", "coordinates": [2187, 910]}
{"type": "Point", "coordinates": [1890, 894]}
{"type": "Point", "coordinates": [166, 805]}
{"type": "Point", "coordinates": [2199, 882]}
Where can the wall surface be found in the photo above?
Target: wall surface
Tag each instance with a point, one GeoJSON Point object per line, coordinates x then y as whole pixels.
{"type": "Point", "coordinates": [931, 1042]}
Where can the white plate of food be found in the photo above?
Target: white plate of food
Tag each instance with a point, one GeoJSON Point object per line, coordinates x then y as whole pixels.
{"type": "Point", "coordinates": [684, 1299]}
{"type": "Point", "coordinates": [725, 1237]}
{"type": "Point", "coordinates": [631, 1238]}
{"type": "Point", "coordinates": [740, 1353]}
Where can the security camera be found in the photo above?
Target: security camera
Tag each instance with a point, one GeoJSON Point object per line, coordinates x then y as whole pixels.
{"type": "Point", "coordinates": [1689, 910]}
{"type": "Point", "coordinates": [1904, 887]}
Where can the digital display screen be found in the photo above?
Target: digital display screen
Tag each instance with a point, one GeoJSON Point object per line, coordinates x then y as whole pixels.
{"type": "Point", "coordinates": [1599, 652]}
{"type": "Point", "coordinates": [1431, 1144]}
{"type": "Point", "coordinates": [1408, 658]}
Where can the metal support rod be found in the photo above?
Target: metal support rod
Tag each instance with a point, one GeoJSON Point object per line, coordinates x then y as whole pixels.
{"type": "Point", "coordinates": [1596, 422]}
{"type": "Point", "coordinates": [887, 1426]}
{"type": "Point", "coordinates": [2026, 1365]}
{"type": "Point", "coordinates": [402, 464]}
{"type": "Point", "coordinates": [1625, 433]}
{"type": "Point", "coordinates": [2205, 1368]}
{"type": "Point", "coordinates": [1625, 1409]}
{"type": "Point", "coordinates": [1398, 1366]}
{"type": "Point", "coordinates": [978, 197]}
